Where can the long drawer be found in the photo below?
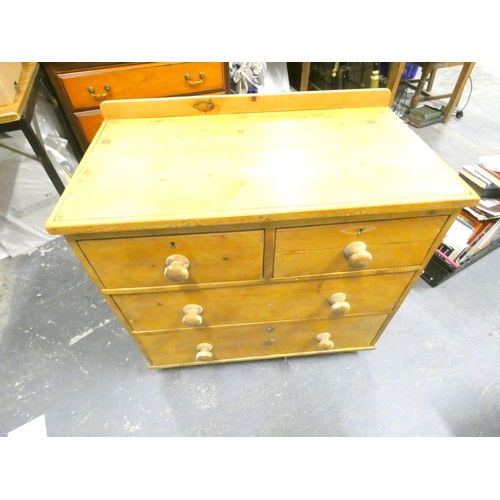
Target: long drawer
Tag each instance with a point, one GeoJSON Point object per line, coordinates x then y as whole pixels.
{"type": "Point", "coordinates": [142, 262]}
{"type": "Point", "coordinates": [89, 121]}
{"type": "Point", "coordinates": [87, 89]}
{"type": "Point", "coordinates": [320, 249]}
{"type": "Point", "coordinates": [260, 303]}
{"type": "Point", "coordinates": [260, 341]}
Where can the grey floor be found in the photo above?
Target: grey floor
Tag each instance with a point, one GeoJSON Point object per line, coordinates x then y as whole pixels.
{"type": "Point", "coordinates": [436, 371]}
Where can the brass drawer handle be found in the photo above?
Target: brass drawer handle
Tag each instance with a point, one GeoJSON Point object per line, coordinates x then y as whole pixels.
{"type": "Point", "coordinates": [177, 268]}
{"type": "Point", "coordinates": [204, 353]}
{"type": "Point", "coordinates": [324, 342]}
{"type": "Point", "coordinates": [339, 304]}
{"type": "Point", "coordinates": [197, 82]}
{"type": "Point", "coordinates": [99, 97]}
{"type": "Point", "coordinates": [357, 256]}
{"type": "Point", "coordinates": [192, 315]}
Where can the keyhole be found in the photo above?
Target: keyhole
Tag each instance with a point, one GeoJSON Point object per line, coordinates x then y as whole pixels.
{"type": "Point", "coordinates": [360, 231]}
{"type": "Point", "coordinates": [172, 244]}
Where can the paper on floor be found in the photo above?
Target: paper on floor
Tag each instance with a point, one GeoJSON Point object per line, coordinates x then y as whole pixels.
{"type": "Point", "coordinates": [34, 429]}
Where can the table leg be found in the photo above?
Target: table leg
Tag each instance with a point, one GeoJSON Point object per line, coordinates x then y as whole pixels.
{"type": "Point", "coordinates": [459, 88]}
{"type": "Point", "coordinates": [304, 76]}
{"type": "Point", "coordinates": [42, 156]}
{"type": "Point", "coordinates": [394, 78]}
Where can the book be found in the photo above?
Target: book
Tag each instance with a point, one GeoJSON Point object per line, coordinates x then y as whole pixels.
{"type": "Point", "coordinates": [490, 206]}
{"type": "Point", "coordinates": [482, 230]}
{"type": "Point", "coordinates": [470, 220]}
{"type": "Point", "coordinates": [480, 187]}
{"type": "Point", "coordinates": [476, 225]}
{"type": "Point", "coordinates": [475, 172]}
{"type": "Point", "coordinates": [479, 214]}
{"type": "Point", "coordinates": [425, 113]}
{"type": "Point", "coordinates": [415, 122]}
{"type": "Point", "coordinates": [446, 259]}
{"type": "Point", "coordinates": [475, 229]}
{"type": "Point", "coordinates": [455, 240]}
{"type": "Point", "coordinates": [471, 231]}
{"type": "Point", "coordinates": [490, 235]}
{"type": "Point", "coordinates": [492, 172]}
{"type": "Point", "coordinates": [490, 175]}
{"type": "Point", "coordinates": [491, 162]}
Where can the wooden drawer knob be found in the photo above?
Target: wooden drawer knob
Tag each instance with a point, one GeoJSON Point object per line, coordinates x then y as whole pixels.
{"type": "Point", "coordinates": [192, 315]}
{"type": "Point", "coordinates": [204, 353]}
{"type": "Point", "coordinates": [357, 256]}
{"type": "Point", "coordinates": [339, 306]}
{"type": "Point", "coordinates": [324, 342]}
{"type": "Point", "coordinates": [177, 268]}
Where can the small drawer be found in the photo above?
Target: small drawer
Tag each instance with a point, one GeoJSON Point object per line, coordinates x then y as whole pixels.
{"type": "Point", "coordinates": [269, 340]}
{"type": "Point", "coordinates": [192, 259]}
{"type": "Point", "coordinates": [87, 89]}
{"type": "Point", "coordinates": [320, 249]}
{"type": "Point", "coordinates": [89, 121]}
{"type": "Point", "coordinates": [262, 303]}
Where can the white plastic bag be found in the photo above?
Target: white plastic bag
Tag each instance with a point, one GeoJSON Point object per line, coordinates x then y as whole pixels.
{"type": "Point", "coordinates": [248, 76]}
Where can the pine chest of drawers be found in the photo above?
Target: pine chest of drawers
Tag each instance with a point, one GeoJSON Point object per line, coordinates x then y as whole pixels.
{"type": "Point", "coordinates": [244, 227]}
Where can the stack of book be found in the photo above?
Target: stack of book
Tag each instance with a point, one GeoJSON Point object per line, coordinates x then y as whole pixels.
{"type": "Point", "coordinates": [475, 228]}
{"type": "Point", "coordinates": [425, 115]}
{"type": "Point", "coordinates": [483, 177]}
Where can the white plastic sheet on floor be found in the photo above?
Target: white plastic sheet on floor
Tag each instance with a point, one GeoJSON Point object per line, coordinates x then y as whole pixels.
{"type": "Point", "coordinates": [27, 196]}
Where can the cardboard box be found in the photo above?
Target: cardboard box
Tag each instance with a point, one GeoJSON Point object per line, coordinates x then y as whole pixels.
{"type": "Point", "coordinates": [10, 73]}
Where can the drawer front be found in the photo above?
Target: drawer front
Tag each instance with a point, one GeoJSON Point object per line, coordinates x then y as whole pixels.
{"type": "Point", "coordinates": [141, 262]}
{"type": "Point", "coordinates": [292, 338]}
{"type": "Point", "coordinates": [320, 249]}
{"type": "Point", "coordinates": [89, 121]}
{"type": "Point", "coordinates": [87, 89]}
{"type": "Point", "coordinates": [261, 303]}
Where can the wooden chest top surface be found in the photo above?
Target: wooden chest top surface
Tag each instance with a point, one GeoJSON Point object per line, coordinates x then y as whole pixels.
{"type": "Point", "coordinates": [176, 171]}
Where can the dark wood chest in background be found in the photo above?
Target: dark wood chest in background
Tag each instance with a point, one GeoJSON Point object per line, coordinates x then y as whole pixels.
{"type": "Point", "coordinates": [80, 87]}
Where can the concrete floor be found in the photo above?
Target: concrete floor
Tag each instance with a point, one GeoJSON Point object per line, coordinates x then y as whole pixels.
{"type": "Point", "coordinates": [436, 371]}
